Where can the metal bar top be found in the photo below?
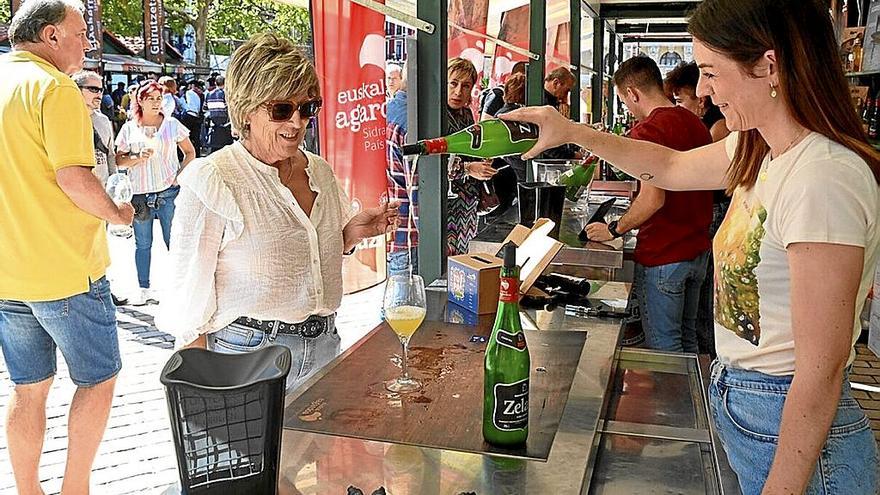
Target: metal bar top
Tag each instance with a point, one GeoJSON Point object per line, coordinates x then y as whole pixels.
{"type": "Point", "coordinates": [325, 463]}
{"type": "Point", "coordinates": [574, 252]}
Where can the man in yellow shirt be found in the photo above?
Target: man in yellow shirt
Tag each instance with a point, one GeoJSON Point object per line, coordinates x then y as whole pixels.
{"type": "Point", "coordinates": [53, 249]}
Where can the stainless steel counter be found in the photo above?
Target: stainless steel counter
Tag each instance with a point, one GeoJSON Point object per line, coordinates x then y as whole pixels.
{"type": "Point", "coordinates": [318, 463]}
{"type": "Point", "coordinates": [575, 253]}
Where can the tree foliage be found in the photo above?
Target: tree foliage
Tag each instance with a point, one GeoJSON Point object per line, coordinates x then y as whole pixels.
{"type": "Point", "coordinates": [5, 12]}
{"type": "Point", "coordinates": [221, 19]}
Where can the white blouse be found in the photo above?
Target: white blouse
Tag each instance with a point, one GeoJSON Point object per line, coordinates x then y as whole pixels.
{"type": "Point", "coordinates": [242, 246]}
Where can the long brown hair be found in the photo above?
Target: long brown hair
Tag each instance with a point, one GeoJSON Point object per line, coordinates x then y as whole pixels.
{"type": "Point", "coordinates": [811, 80]}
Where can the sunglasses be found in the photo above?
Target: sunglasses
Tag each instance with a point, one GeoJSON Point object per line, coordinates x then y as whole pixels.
{"type": "Point", "coordinates": [283, 110]}
{"type": "Point", "coordinates": [94, 89]}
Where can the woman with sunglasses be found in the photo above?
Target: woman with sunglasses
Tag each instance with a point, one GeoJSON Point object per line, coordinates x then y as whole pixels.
{"type": "Point", "coordinates": [147, 146]}
{"type": "Point", "coordinates": [262, 226]}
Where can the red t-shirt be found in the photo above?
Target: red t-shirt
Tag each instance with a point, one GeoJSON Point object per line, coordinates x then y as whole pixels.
{"type": "Point", "coordinates": [679, 231]}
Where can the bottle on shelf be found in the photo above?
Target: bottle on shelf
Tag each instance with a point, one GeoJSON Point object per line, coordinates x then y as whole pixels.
{"type": "Point", "coordinates": [857, 52]}
{"type": "Point", "coordinates": [873, 119]}
{"type": "Point", "coordinates": [867, 108]}
{"type": "Point", "coordinates": [487, 139]}
{"type": "Point", "coordinates": [507, 365]}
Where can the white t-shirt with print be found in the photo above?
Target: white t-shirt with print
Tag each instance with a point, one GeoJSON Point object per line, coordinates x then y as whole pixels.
{"type": "Point", "coordinates": [818, 191]}
{"type": "Point", "coordinates": [159, 172]}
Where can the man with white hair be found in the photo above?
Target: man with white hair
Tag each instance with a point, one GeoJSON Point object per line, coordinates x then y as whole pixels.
{"type": "Point", "coordinates": [393, 77]}
{"type": "Point", "coordinates": [53, 248]}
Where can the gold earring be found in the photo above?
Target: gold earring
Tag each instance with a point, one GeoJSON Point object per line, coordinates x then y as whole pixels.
{"type": "Point", "coordinates": [772, 91]}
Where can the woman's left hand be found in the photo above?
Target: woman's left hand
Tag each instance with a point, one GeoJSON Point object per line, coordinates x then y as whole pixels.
{"type": "Point", "coordinates": [372, 222]}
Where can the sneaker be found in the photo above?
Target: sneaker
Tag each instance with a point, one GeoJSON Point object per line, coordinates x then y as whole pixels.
{"type": "Point", "coordinates": [142, 297]}
{"type": "Point", "coordinates": [150, 296]}
{"type": "Point", "coordinates": [118, 301]}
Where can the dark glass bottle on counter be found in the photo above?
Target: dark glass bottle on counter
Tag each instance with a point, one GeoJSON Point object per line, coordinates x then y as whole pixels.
{"type": "Point", "coordinates": [506, 367]}
{"type": "Point", "coordinates": [873, 119]}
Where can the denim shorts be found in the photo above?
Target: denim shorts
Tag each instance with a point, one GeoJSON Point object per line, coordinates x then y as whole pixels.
{"type": "Point", "coordinates": [82, 327]}
{"type": "Point", "coordinates": [747, 409]}
{"type": "Point", "coordinates": [308, 355]}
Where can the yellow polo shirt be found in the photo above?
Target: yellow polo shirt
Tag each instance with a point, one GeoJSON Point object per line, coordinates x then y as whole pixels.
{"type": "Point", "coordinates": [49, 248]}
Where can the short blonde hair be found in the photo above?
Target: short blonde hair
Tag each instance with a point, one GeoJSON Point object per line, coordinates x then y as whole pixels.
{"type": "Point", "coordinates": [462, 66]}
{"type": "Point", "coordinates": [168, 83]}
{"type": "Point", "coordinates": [266, 67]}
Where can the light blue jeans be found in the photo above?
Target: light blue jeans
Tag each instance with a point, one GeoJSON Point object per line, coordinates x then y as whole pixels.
{"type": "Point", "coordinates": [82, 327]}
{"type": "Point", "coordinates": [398, 262]}
{"type": "Point", "coordinates": [669, 297]}
{"type": "Point", "coordinates": [151, 206]}
{"type": "Point", "coordinates": [307, 355]}
{"type": "Point", "coordinates": [747, 406]}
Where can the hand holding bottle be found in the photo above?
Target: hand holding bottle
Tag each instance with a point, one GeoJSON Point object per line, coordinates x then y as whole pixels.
{"type": "Point", "coordinates": [124, 214]}
{"type": "Point", "coordinates": [554, 129]}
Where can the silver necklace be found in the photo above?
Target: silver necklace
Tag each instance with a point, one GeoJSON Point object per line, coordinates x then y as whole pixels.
{"type": "Point", "coordinates": [800, 136]}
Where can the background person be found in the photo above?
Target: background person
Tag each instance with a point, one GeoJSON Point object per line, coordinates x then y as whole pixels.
{"type": "Point", "coordinates": [465, 174]}
{"type": "Point", "coordinates": [492, 99]}
{"type": "Point", "coordinates": [153, 174]}
{"type": "Point", "coordinates": [672, 246]}
{"type": "Point", "coordinates": [53, 248]}
{"type": "Point", "coordinates": [795, 255]}
{"type": "Point", "coordinates": [102, 133]}
{"type": "Point", "coordinates": [393, 78]}
{"type": "Point", "coordinates": [257, 250]}
{"type": "Point", "coordinates": [217, 117]}
{"type": "Point", "coordinates": [403, 186]}
{"type": "Point", "coordinates": [514, 97]}
{"type": "Point", "coordinates": [681, 83]}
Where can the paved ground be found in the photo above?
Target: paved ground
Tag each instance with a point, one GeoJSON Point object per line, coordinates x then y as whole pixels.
{"type": "Point", "coordinates": [137, 455]}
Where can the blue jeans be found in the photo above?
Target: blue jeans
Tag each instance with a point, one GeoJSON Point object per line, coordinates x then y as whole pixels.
{"type": "Point", "coordinates": [669, 296]}
{"type": "Point", "coordinates": [307, 355]}
{"type": "Point", "coordinates": [82, 327]}
{"type": "Point", "coordinates": [148, 207]}
{"type": "Point", "coordinates": [398, 263]}
{"type": "Point", "coordinates": [747, 406]}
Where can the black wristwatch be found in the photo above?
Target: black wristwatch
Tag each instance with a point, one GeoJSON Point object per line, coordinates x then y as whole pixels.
{"type": "Point", "coordinates": [612, 229]}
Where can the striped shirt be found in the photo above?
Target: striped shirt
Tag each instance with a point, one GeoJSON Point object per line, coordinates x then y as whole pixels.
{"type": "Point", "coordinates": [159, 172]}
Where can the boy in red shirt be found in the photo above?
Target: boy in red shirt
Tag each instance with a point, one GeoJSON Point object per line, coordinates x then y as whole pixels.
{"type": "Point", "coordinates": [673, 241]}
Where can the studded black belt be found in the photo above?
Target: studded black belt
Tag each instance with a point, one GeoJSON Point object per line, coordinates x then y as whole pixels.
{"type": "Point", "coordinates": [313, 326]}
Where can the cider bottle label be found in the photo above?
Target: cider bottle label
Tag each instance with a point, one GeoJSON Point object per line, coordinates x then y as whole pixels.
{"type": "Point", "coordinates": [511, 406]}
{"type": "Point", "coordinates": [515, 341]}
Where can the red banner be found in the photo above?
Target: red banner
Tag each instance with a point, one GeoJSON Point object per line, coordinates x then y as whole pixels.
{"type": "Point", "coordinates": [471, 15]}
{"type": "Point", "coordinates": [514, 30]}
{"type": "Point", "coordinates": [349, 44]}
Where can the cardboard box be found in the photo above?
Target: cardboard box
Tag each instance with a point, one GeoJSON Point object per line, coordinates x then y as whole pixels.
{"type": "Point", "coordinates": [458, 315]}
{"type": "Point", "coordinates": [473, 279]}
{"type": "Point", "coordinates": [535, 250]}
{"type": "Point", "coordinates": [858, 94]}
{"type": "Point", "coordinates": [849, 38]}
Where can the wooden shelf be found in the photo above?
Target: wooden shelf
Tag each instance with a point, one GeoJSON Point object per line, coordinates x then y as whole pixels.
{"type": "Point", "coordinates": [863, 74]}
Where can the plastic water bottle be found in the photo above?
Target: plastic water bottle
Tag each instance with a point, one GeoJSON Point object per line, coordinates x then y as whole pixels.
{"type": "Point", "coordinates": [119, 190]}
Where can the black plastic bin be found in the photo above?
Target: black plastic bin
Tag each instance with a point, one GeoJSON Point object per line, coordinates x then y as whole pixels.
{"type": "Point", "coordinates": [226, 413]}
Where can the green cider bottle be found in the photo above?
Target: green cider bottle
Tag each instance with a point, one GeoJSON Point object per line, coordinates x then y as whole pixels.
{"type": "Point", "coordinates": [506, 367]}
{"type": "Point", "coordinates": [487, 139]}
{"type": "Point", "coordinates": [578, 178]}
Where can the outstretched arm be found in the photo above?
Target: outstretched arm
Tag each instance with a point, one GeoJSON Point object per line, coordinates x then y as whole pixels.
{"type": "Point", "coordinates": [698, 169]}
